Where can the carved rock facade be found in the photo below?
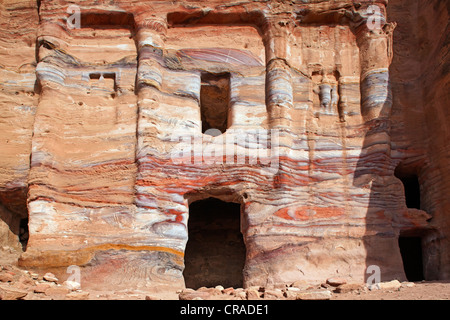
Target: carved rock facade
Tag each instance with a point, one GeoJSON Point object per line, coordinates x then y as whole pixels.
{"type": "Point", "coordinates": [107, 144]}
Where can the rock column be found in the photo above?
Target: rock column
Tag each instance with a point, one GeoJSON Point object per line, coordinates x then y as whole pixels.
{"type": "Point", "coordinates": [150, 44]}
{"type": "Point", "coordinates": [279, 93]}
{"type": "Point", "coordinates": [374, 38]}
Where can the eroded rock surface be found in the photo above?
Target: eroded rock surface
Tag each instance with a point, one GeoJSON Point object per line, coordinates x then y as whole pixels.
{"type": "Point", "coordinates": [320, 117]}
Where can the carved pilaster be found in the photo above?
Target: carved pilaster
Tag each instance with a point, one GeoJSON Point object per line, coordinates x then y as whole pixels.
{"type": "Point", "coordinates": [374, 38]}
{"type": "Point", "coordinates": [279, 93]}
{"type": "Point", "coordinates": [150, 38]}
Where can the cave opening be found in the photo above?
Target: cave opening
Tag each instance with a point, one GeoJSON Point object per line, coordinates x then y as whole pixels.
{"type": "Point", "coordinates": [215, 252]}
{"type": "Point", "coordinates": [214, 101]}
{"type": "Point", "coordinates": [23, 233]}
{"type": "Point", "coordinates": [14, 230]}
{"type": "Point", "coordinates": [412, 256]}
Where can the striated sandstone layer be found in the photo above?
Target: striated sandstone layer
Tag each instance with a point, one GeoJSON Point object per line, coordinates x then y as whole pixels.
{"type": "Point", "coordinates": [319, 124]}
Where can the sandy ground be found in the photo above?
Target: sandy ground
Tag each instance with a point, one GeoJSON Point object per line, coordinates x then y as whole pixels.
{"type": "Point", "coordinates": [425, 290]}
{"type": "Point", "coordinates": [25, 282]}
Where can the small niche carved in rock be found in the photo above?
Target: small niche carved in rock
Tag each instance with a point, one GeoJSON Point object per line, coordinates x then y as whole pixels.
{"type": "Point", "coordinates": [104, 81]}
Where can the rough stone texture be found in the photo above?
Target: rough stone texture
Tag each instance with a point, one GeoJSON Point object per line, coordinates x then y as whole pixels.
{"type": "Point", "coordinates": [19, 21]}
{"type": "Point", "coordinates": [314, 295]}
{"type": "Point", "coordinates": [420, 84]}
{"type": "Point", "coordinates": [335, 282]}
{"type": "Point", "coordinates": [349, 287]}
{"type": "Point", "coordinates": [89, 115]}
{"type": "Point", "coordinates": [11, 293]}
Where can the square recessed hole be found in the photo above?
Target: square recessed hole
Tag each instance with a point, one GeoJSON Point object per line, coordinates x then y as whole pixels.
{"type": "Point", "coordinates": [106, 81]}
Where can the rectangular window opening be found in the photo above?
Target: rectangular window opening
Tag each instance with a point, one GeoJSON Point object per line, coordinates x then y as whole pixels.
{"type": "Point", "coordinates": [411, 187]}
{"type": "Point", "coordinates": [214, 101]}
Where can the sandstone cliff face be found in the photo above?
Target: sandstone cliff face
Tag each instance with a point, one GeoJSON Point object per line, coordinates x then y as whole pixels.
{"type": "Point", "coordinates": [18, 101]}
{"type": "Point", "coordinates": [420, 82]}
{"type": "Point", "coordinates": [319, 119]}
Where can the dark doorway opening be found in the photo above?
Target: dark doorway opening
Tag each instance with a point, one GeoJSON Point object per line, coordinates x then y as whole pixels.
{"type": "Point", "coordinates": [412, 188]}
{"type": "Point", "coordinates": [214, 101]}
{"type": "Point", "coordinates": [215, 252]}
{"type": "Point", "coordinates": [23, 233]}
{"type": "Point", "coordinates": [411, 251]}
